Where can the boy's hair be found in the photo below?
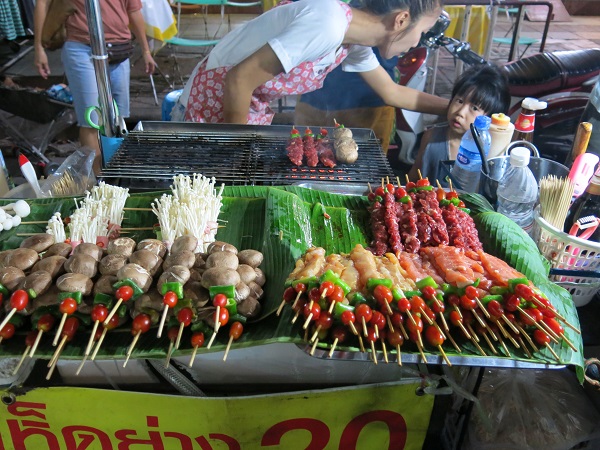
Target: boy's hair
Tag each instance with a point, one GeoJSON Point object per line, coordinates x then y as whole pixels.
{"type": "Point", "coordinates": [485, 86]}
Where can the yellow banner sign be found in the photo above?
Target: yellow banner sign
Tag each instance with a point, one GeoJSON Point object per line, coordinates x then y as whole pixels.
{"type": "Point", "coordinates": [382, 416]}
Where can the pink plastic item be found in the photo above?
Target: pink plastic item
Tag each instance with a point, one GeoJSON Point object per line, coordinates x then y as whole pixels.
{"type": "Point", "coordinates": [581, 172]}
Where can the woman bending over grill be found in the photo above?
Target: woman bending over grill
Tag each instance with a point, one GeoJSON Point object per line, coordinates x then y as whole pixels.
{"type": "Point", "coordinates": [291, 48]}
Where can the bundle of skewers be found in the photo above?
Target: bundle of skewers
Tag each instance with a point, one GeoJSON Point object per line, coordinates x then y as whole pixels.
{"type": "Point", "coordinates": [60, 283]}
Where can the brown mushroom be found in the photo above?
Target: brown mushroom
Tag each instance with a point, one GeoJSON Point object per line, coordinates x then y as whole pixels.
{"type": "Point", "coordinates": [137, 274]}
{"type": "Point", "coordinates": [4, 255]}
{"type": "Point", "coordinates": [10, 277]}
{"type": "Point", "coordinates": [39, 242]}
{"type": "Point", "coordinates": [200, 260]}
{"type": "Point", "coordinates": [242, 291]}
{"type": "Point", "coordinates": [196, 274]}
{"type": "Point", "coordinates": [122, 246]}
{"type": "Point", "coordinates": [54, 265]}
{"type": "Point", "coordinates": [255, 290]}
{"type": "Point", "coordinates": [104, 285]}
{"type": "Point", "coordinates": [58, 249]}
{"type": "Point", "coordinates": [89, 249]}
{"type": "Point", "coordinates": [253, 258]}
{"type": "Point", "coordinates": [249, 308]}
{"type": "Point", "coordinates": [187, 242]}
{"type": "Point", "coordinates": [147, 259]}
{"type": "Point", "coordinates": [247, 273]}
{"type": "Point", "coordinates": [82, 263]}
{"type": "Point", "coordinates": [39, 282]}
{"type": "Point", "coordinates": [183, 258]}
{"type": "Point", "coordinates": [224, 260]}
{"type": "Point", "coordinates": [22, 258]}
{"type": "Point", "coordinates": [175, 274]}
{"type": "Point", "coordinates": [260, 277]}
{"type": "Point", "coordinates": [110, 264]}
{"type": "Point", "coordinates": [194, 291]}
{"type": "Point", "coordinates": [48, 298]}
{"type": "Point", "coordinates": [218, 276]}
{"type": "Point", "coordinates": [154, 245]}
{"type": "Point", "coordinates": [220, 246]}
{"type": "Point", "coordinates": [75, 282]}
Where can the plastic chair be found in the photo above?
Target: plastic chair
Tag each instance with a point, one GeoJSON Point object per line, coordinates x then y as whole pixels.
{"type": "Point", "coordinates": [507, 40]}
{"type": "Point", "coordinates": [248, 4]}
{"type": "Point", "coordinates": [209, 41]}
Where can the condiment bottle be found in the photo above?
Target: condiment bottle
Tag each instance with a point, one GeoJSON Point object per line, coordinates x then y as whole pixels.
{"type": "Point", "coordinates": [501, 131]}
{"type": "Point", "coordinates": [587, 204]}
{"type": "Point", "coordinates": [5, 182]}
{"type": "Point", "coordinates": [526, 122]}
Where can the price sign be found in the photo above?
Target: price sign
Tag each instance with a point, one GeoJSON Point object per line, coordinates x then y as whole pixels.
{"type": "Point", "coordinates": [382, 416]}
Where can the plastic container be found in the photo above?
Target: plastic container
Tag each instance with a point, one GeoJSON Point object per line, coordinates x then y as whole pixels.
{"type": "Point", "coordinates": [466, 169]}
{"type": "Point", "coordinates": [568, 252]}
{"type": "Point", "coordinates": [581, 172]}
{"type": "Point", "coordinates": [501, 132]}
{"type": "Point", "coordinates": [518, 190]}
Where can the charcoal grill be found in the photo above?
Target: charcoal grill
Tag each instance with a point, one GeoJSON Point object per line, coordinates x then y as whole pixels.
{"type": "Point", "coordinates": [249, 155]}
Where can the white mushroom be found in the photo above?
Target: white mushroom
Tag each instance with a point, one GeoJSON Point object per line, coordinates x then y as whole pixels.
{"type": "Point", "coordinates": [21, 208]}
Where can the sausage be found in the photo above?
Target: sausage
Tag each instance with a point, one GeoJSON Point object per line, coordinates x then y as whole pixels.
{"type": "Point", "coordinates": [110, 264]}
{"type": "Point", "coordinates": [183, 258]}
{"type": "Point", "coordinates": [39, 282]}
{"type": "Point", "coordinates": [58, 249]}
{"type": "Point", "coordinates": [104, 285]}
{"type": "Point", "coordinates": [122, 246]}
{"type": "Point", "coordinates": [39, 242]}
{"type": "Point", "coordinates": [89, 249]}
{"type": "Point", "coordinates": [154, 245]}
{"type": "Point", "coordinates": [22, 258]}
{"type": "Point", "coordinates": [182, 243]}
{"type": "Point", "coordinates": [10, 277]}
{"type": "Point", "coordinates": [137, 274]}
{"type": "Point", "coordinates": [82, 263]}
{"type": "Point", "coordinates": [148, 260]}
{"type": "Point", "coordinates": [75, 282]}
{"type": "Point", "coordinates": [54, 265]}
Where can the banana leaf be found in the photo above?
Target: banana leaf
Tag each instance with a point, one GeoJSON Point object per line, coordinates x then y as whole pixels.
{"type": "Point", "coordinates": [283, 222]}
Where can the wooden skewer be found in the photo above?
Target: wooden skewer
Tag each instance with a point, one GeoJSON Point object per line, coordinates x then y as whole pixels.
{"type": "Point", "coordinates": [34, 347]}
{"type": "Point", "coordinates": [179, 334]}
{"type": "Point", "coordinates": [569, 343]}
{"type": "Point", "coordinates": [399, 357]}
{"type": "Point", "coordinates": [472, 333]}
{"type": "Point", "coordinates": [193, 357]}
{"type": "Point", "coordinates": [99, 343]}
{"type": "Point", "coordinates": [85, 357]}
{"type": "Point", "coordinates": [373, 352]}
{"type": "Point", "coordinates": [21, 360]}
{"type": "Point", "coordinates": [528, 338]}
{"type": "Point", "coordinates": [163, 318]}
{"type": "Point", "coordinates": [281, 305]}
{"type": "Point", "coordinates": [507, 335]}
{"type": "Point", "coordinates": [537, 325]}
{"type": "Point", "coordinates": [57, 352]}
{"type": "Point", "coordinates": [427, 318]}
{"type": "Point", "coordinates": [463, 329]}
{"type": "Point", "coordinates": [390, 325]}
{"type": "Point", "coordinates": [333, 346]}
{"type": "Point", "coordinates": [444, 355]}
{"type": "Point", "coordinates": [510, 324]}
{"type": "Point", "coordinates": [212, 339]}
{"type": "Point", "coordinates": [403, 331]}
{"type": "Point", "coordinates": [476, 344]}
{"type": "Point", "coordinates": [485, 311]}
{"type": "Point", "coordinates": [169, 351]}
{"type": "Point", "coordinates": [552, 351]}
{"type": "Point", "coordinates": [131, 347]}
{"type": "Point", "coordinates": [59, 329]}
{"type": "Point", "coordinates": [312, 349]}
{"type": "Point", "coordinates": [361, 344]}
{"type": "Point", "coordinates": [502, 343]}
{"type": "Point", "coordinates": [549, 330]}
{"type": "Point", "coordinates": [369, 186]}
{"type": "Point", "coordinates": [524, 347]}
{"type": "Point", "coordinates": [8, 317]}
{"type": "Point", "coordinates": [560, 317]}
{"type": "Point", "coordinates": [444, 323]}
{"type": "Point", "coordinates": [384, 349]}
{"type": "Point", "coordinates": [489, 343]}
{"type": "Point", "coordinates": [90, 344]}
{"type": "Point", "coordinates": [113, 311]}
{"type": "Point", "coordinates": [454, 344]}
{"type": "Point", "coordinates": [307, 321]}
{"type": "Point", "coordinates": [412, 319]}
{"type": "Point", "coordinates": [420, 347]}
{"type": "Point", "coordinates": [457, 309]}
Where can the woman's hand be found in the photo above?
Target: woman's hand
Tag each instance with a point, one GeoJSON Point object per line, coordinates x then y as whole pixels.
{"type": "Point", "coordinates": [41, 62]}
{"type": "Point", "coordinates": [149, 62]}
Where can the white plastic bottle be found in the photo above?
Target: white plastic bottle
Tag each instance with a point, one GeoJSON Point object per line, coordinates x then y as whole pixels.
{"type": "Point", "coordinates": [518, 190]}
{"type": "Point", "coordinates": [467, 168]}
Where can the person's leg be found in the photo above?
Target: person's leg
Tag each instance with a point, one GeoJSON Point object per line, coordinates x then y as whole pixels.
{"type": "Point", "coordinates": [119, 84]}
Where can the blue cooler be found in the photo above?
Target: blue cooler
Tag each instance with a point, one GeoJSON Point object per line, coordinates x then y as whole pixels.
{"type": "Point", "coordinates": [168, 104]}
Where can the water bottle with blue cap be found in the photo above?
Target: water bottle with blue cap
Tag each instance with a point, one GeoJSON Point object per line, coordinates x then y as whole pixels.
{"type": "Point", "coordinates": [467, 167]}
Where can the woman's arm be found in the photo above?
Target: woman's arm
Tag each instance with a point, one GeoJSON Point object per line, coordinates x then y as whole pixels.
{"type": "Point", "coordinates": [243, 79]}
{"type": "Point", "coordinates": [138, 26]}
{"type": "Point", "coordinates": [403, 97]}
{"type": "Point", "coordinates": [40, 58]}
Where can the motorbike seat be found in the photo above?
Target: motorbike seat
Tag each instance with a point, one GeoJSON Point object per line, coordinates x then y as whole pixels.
{"type": "Point", "coordinates": [548, 72]}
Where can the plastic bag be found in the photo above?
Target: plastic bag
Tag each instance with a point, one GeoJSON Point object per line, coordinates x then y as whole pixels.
{"type": "Point", "coordinates": [532, 409]}
{"type": "Point", "coordinates": [74, 176]}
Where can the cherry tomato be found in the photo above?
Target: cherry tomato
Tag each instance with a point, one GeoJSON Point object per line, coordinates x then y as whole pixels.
{"type": "Point", "coordinates": [416, 326]}
{"type": "Point", "coordinates": [438, 306]}
{"type": "Point", "coordinates": [410, 185]}
{"type": "Point", "coordinates": [363, 310]}
{"type": "Point", "coordinates": [170, 299]}
{"type": "Point", "coordinates": [423, 182]}
{"type": "Point", "coordinates": [340, 333]}
{"type": "Point", "coordinates": [390, 188]}
{"type": "Point", "coordinates": [235, 331]}
{"type": "Point", "coordinates": [440, 194]}
{"type": "Point", "coordinates": [70, 327]}
{"type": "Point", "coordinates": [428, 312]}
{"type": "Point", "coordinates": [7, 331]}
{"type": "Point", "coordinates": [413, 336]}
{"type": "Point", "coordinates": [455, 318]}
{"type": "Point", "coordinates": [337, 295]}
{"type": "Point", "coordinates": [30, 338]}
{"type": "Point", "coordinates": [371, 196]}
{"type": "Point", "coordinates": [383, 294]}
{"type": "Point", "coordinates": [428, 292]}
{"type": "Point", "coordinates": [536, 314]}
{"type": "Point", "coordinates": [540, 337]}
{"type": "Point", "coordinates": [197, 339]}
{"type": "Point", "coordinates": [467, 303]}
{"type": "Point", "coordinates": [124, 292]}
{"type": "Point", "coordinates": [99, 313]}
{"type": "Point", "coordinates": [461, 204]}
{"type": "Point", "coordinates": [325, 321]}
{"type": "Point", "coordinates": [452, 194]}
{"type": "Point", "coordinates": [19, 300]}
{"type": "Point", "coordinates": [314, 295]}
{"type": "Point", "coordinates": [185, 316]}
{"type": "Point", "coordinates": [395, 338]}
{"type": "Point", "coordinates": [554, 325]}
{"type": "Point", "coordinates": [397, 319]}
{"type": "Point", "coordinates": [223, 316]}
{"type": "Point", "coordinates": [46, 322]}
{"type": "Point", "coordinates": [543, 300]}
{"type": "Point", "coordinates": [326, 286]}
{"type": "Point", "coordinates": [378, 320]}
{"type": "Point", "coordinates": [141, 323]}
{"type": "Point", "coordinates": [112, 323]}
{"type": "Point", "coordinates": [315, 310]}
{"type": "Point", "coordinates": [289, 295]}
{"type": "Point", "coordinates": [512, 302]}
{"type": "Point", "coordinates": [547, 312]}
{"type": "Point", "coordinates": [173, 333]}
{"type": "Point", "coordinates": [380, 191]}
{"type": "Point", "coordinates": [68, 306]}
{"type": "Point", "coordinates": [417, 303]}
{"type": "Point", "coordinates": [522, 290]}
{"type": "Point", "coordinates": [348, 317]}
{"type": "Point", "coordinates": [299, 305]}
{"type": "Point", "coordinates": [371, 335]}
{"type": "Point", "coordinates": [433, 336]}
{"type": "Point", "coordinates": [404, 305]}
{"type": "Point", "coordinates": [219, 300]}
{"type": "Point", "coordinates": [471, 292]}
{"type": "Point", "coordinates": [495, 309]}
{"type": "Point", "coordinates": [400, 192]}
{"type": "Point", "coordinates": [454, 300]}
{"type": "Point", "coordinates": [300, 287]}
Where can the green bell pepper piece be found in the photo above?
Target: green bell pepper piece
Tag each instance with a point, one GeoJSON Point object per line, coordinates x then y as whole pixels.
{"type": "Point", "coordinates": [427, 281]}
{"type": "Point", "coordinates": [122, 311]}
{"type": "Point", "coordinates": [231, 307]}
{"type": "Point", "coordinates": [184, 303]}
{"type": "Point", "coordinates": [467, 210]}
{"type": "Point", "coordinates": [103, 299]}
{"type": "Point", "coordinates": [202, 327]}
{"type": "Point", "coordinates": [444, 202]}
{"type": "Point", "coordinates": [238, 318]}
{"type": "Point", "coordinates": [425, 188]}
{"type": "Point", "coordinates": [74, 295]}
{"type": "Point", "coordinates": [137, 291]}
{"type": "Point", "coordinates": [499, 290]}
{"type": "Point", "coordinates": [334, 278]}
{"type": "Point", "coordinates": [411, 294]}
{"type": "Point", "coordinates": [488, 298]}
{"type": "Point", "coordinates": [373, 282]}
{"type": "Point", "coordinates": [406, 199]}
{"type": "Point", "coordinates": [355, 298]}
{"type": "Point", "coordinates": [3, 290]}
{"type": "Point", "coordinates": [16, 320]}
{"type": "Point", "coordinates": [172, 286]}
{"type": "Point", "coordinates": [512, 284]}
{"type": "Point", "coordinates": [476, 282]}
{"type": "Point", "coordinates": [340, 308]}
{"type": "Point", "coordinates": [31, 293]}
{"type": "Point", "coordinates": [455, 201]}
{"type": "Point", "coordinates": [397, 293]}
{"type": "Point", "coordinates": [228, 291]}
{"type": "Point", "coordinates": [85, 319]}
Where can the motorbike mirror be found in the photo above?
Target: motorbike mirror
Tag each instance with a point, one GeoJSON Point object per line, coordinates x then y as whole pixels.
{"type": "Point", "coordinates": [431, 38]}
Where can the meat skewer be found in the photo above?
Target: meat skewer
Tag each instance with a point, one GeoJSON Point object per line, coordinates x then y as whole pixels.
{"type": "Point", "coordinates": [295, 147]}
{"type": "Point", "coordinates": [325, 149]}
{"type": "Point", "coordinates": [310, 148]}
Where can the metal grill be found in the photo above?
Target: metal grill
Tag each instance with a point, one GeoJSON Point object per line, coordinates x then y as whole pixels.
{"type": "Point", "coordinates": [234, 154]}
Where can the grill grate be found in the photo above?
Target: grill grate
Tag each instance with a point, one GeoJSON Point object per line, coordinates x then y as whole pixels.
{"type": "Point", "coordinates": [154, 152]}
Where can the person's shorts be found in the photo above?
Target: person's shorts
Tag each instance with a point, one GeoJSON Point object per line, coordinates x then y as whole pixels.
{"type": "Point", "coordinates": [81, 77]}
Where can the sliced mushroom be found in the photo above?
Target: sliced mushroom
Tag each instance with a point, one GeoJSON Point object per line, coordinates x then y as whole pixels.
{"type": "Point", "coordinates": [82, 263]}
{"type": "Point", "coordinates": [122, 246]}
{"type": "Point", "coordinates": [182, 243]}
{"type": "Point", "coordinates": [89, 249]}
{"type": "Point", "coordinates": [75, 282]}
{"type": "Point", "coordinates": [184, 258]}
{"type": "Point", "coordinates": [39, 242]}
{"type": "Point", "coordinates": [154, 245]}
{"type": "Point", "coordinates": [10, 277]}
{"type": "Point", "coordinates": [110, 264]}
{"type": "Point", "coordinates": [54, 265]}
{"type": "Point", "coordinates": [58, 249]}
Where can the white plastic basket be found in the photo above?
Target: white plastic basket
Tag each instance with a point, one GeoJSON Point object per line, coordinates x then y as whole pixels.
{"type": "Point", "coordinates": [568, 252]}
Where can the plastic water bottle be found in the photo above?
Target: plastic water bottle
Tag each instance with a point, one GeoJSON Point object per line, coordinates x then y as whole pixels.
{"type": "Point", "coordinates": [518, 190]}
{"type": "Point", "coordinates": [467, 167]}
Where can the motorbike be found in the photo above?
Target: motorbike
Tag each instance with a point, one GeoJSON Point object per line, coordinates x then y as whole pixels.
{"type": "Point", "coordinates": [563, 79]}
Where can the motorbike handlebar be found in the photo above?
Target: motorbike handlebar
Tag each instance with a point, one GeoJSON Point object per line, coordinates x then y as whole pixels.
{"type": "Point", "coordinates": [458, 49]}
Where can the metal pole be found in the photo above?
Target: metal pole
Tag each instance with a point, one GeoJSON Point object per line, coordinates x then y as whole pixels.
{"type": "Point", "coordinates": [100, 60]}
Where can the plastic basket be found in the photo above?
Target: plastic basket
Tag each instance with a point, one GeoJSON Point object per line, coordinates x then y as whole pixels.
{"type": "Point", "coordinates": [568, 252]}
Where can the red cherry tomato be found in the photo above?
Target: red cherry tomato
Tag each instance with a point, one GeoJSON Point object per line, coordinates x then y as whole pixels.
{"type": "Point", "coordinates": [299, 306]}
{"type": "Point", "coordinates": [141, 323]}
{"type": "Point", "coordinates": [397, 319]}
{"type": "Point", "coordinates": [451, 194]}
{"type": "Point", "coordinates": [540, 337]}
{"type": "Point", "coordinates": [512, 302]}
{"type": "Point", "coordinates": [383, 294]}
{"type": "Point", "coordinates": [410, 185]}
{"type": "Point", "coordinates": [30, 338]}
{"type": "Point", "coordinates": [173, 333]}
{"type": "Point", "coordinates": [400, 192]}
{"type": "Point", "coordinates": [380, 191]}
{"type": "Point", "coordinates": [68, 306]}
{"type": "Point", "coordinates": [99, 313]}
{"type": "Point", "coordinates": [371, 197]}
{"type": "Point", "coordinates": [378, 320]}
{"type": "Point", "coordinates": [455, 318]}
{"type": "Point", "coordinates": [70, 327]}
{"type": "Point", "coordinates": [315, 310]}
{"type": "Point", "coordinates": [112, 323]}
{"type": "Point", "coordinates": [467, 317]}
{"type": "Point", "coordinates": [219, 300]}
{"type": "Point", "coordinates": [363, 310]}
{"type": "Point", "coordinates": [185, 316]}
{"type": "Point", "coordinates": [554, 325]}
{"type": "Point", "coordinates": [438, 306]}
{"type": "Point", "coordinates": [46, 322]}
{"type": "Point", "coordinates": [197, 339]}
{"type": "Point", "coordinates": [544, 301]}
{"type": "Point", "coordinates": [471, 292]}
{"type": "Point", "coordinates": [337, 295]}
{"type": "Point", "coordinates": [547, 312]}
{"type": "Point", "coordinates": [325, 321]}
{"type": "Point", "coordinates": [461, 204]}
{"type": "Point", "coordinates": [454, 300]}
{"type": "Point", "coordinates": [395, 338]}
{"type": "Point", "coordinates": [347, 317]}
{"type": "Point", "coordinates": [371, 335]}
{"type": "Point", "coordinates": [7, 331]}
{"type": "Point", "coordinates": [536, 314]}
{"type": "Point", "coordinates": [314, 295]}
{"type": "Point", "coordinates": [467, 303]}
{"type": "Point", "coordinates": [428, 292]}
{"type": "Point", "coordinates": [440, 194]}
{"type": "Point", "coordinates": [404, 305]}
{"type": "Point", "coordinates": [300, 287]}
{"type": "Point", "coordinates": [423, 182]}
{"type": "Point", "coordinates": [340, 333]}
{"type": "Point", "coordinates": [390, 188]}
{"type": "Point", "coordinates": [522, 290]}
{"type": "Point", "coordinates": [416, 326]}
{"type": "Point", "coordinates": [124, 292]}
{"type": "Point", "coordinates": [235, 331]}
{"type": "Point", "coordinates": [19, 300]}
{"type": "Point", "coordinates": [433, 336]}
{"type": "Point", "coordinates": [223, 316]}
{"type": "Point", "coordinates": [495, 309]}
{"type": "Point", "coordinates": [170, 299]}
{"type": "Point", "coordinates": [289, 295]}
